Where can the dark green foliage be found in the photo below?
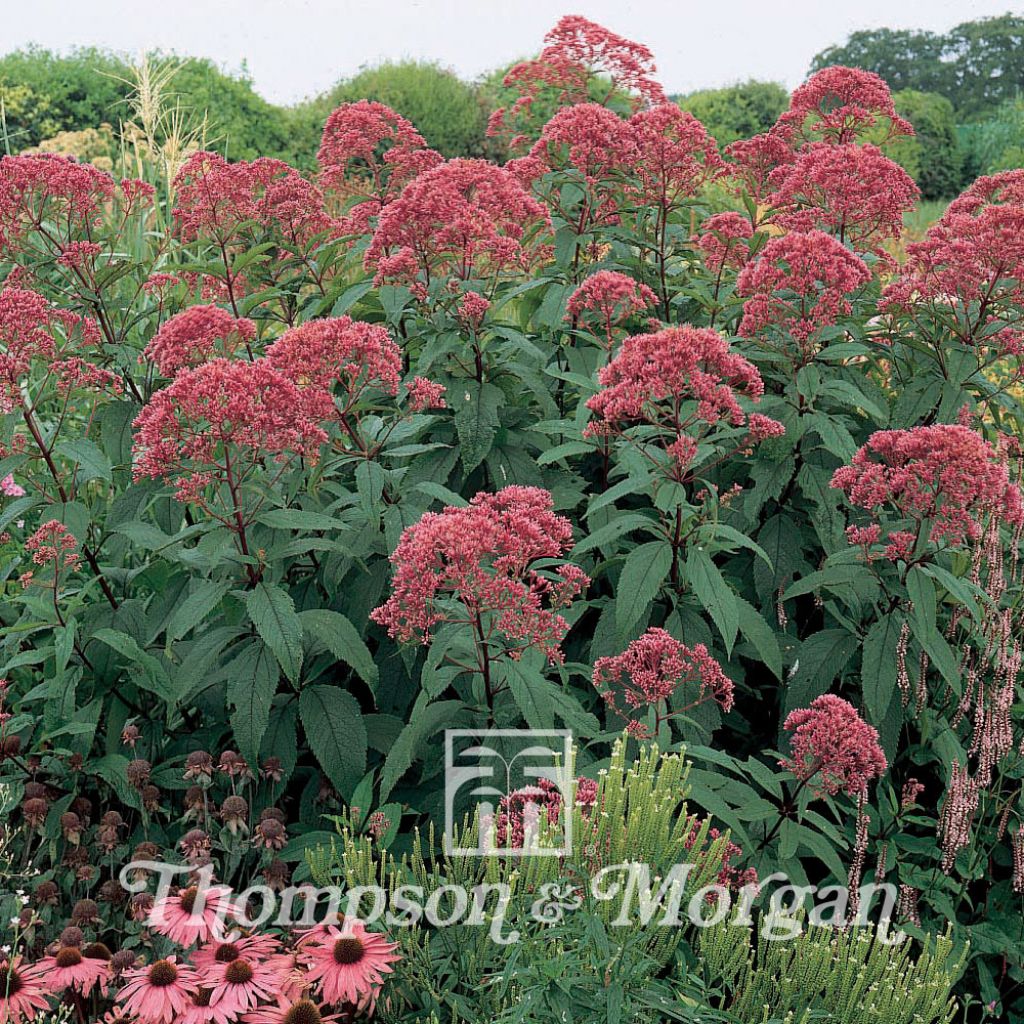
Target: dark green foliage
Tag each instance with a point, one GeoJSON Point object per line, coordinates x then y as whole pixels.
{"type": "Point", "coordinates": [940, 161]}
{"type": "Point", "coordinates": [445, 110]}
{"type": "Point", "coordinates": [737, 111]}
{"type": "Point", "coordinates": [977, 65]}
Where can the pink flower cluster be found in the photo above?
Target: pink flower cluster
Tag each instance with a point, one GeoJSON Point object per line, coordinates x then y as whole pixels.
{"type": "Point", "coordinates": [32, 331]}
{"type": "Point", "coordinates": [946, 477]}
{"type": "Point", "coordinates": [725, 241]}
{"type": "Point", "coordinates": [367, 155]}
{"type": "Point", "coordinates": [48, 188]}
{"type": "Point", "coordinates": [853, 191]}
{"type": "Point", "coordinates": [614, 297]}
{"type": "Point", "coordinates": [833, 746]}
{"type": "Point", "coordinates": [968, 272]}
{"type": "Point", "coordinates": [840, 104]}
{"type": "Point", "coordinates": [464, 219]}
{"type": "Point", "coordinates": [195, 335]}
{"type": "Point", "coordinates": [576, 52]}
{"type": "Point", "coordinates": [813, 169]}
{"type": "Point", "coordinates": [322, 975]}
{"type": "Point", "coordinates": [800, 285]}
{"type": "Point", "coordinates": [473, 566]}
{"type": "Point", "coordinates": [655, 668]}
{"type": "Point", "coordinates": [216, 198]}
{"type": "Point", "coordinates": [53, 545]}
{"type": "Point", "coordinates": [323, 354]}
{"type": "Point", "coordinates": [687, 382]}
{"type": "Point", "coordinates": [214, 426]}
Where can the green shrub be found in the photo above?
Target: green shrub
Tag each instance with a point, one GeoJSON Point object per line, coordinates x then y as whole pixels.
{"type": "Point", "coordinates": [446, 111]}
{"type": "Point", "coordinates": [737, 111]}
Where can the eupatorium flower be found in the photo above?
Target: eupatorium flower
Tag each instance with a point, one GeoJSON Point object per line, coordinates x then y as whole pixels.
{"type": "Point", "coordinates": [474, 566]}
{"type": "Point", "coordinates": [338, 355]}
{"type": "Point", "coordinates": [968, 272]}
{"type": "Point", "coordinates": [675, 157]}
{"type": "Point", "coordinates": [195, 335]}
{"type": "Point", "coordinates": [798, 286]}
{"type": "Point", "coordinates": [58, 190]}
{"type": "Point", "coordinates": [656, 668]}
{"type": "Point", "coordinates": [217, 199]}
{"type": "Point", "coordinates": [612, 297]}
{"type": "Point", "coordinates": [464, 219]}
{"type": "Point", "coordinates": [576, 51]}
{"type": "Point", "coordinates": [687, 382]}
{"type": "Point", "coordinates": [32, 330]}
{"type": "Point", "coordinates": [368, 153]}
{"type": "Point", "coordinates": [840, 104]}
{"type": "Point", "coordinates": [753, 162]}
{"type": "Point", "coordinates": [946, 478]}
{"type": "Point", "coordinates": [724, 240]}
{"type": "Point", "coordinates": [833, 748]}
{"type": "Point", "coordinates": [214, 426]}
{"type": "Point", "coordinates": [854, 192]}
{"type": "Point", "coordinates": [597, 148]}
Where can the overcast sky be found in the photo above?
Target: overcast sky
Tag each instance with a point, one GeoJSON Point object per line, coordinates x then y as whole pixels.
{"type": "Point", "coordinates": [296, 48]}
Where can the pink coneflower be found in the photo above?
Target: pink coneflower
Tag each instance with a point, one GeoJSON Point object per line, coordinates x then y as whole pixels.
{"type": "Point", "coordinates": [21, 993]}
{"type": "Point", "coordinates": [244, 983]}
{"type": "Point", "coordinates": [160, 993]}
{"type": "Point", "coordinates": [303, 1011]}
{"type": "Point", "coordinates": [350, 964]}
{"type": "Point", "coordinates": [70, 968]}
{"type": "Point", "coordinates": [211, 958]}
{"type": "Point", "coordinates": [193, 915]}
{"type": "Point", "coordinates": [200, 1011]}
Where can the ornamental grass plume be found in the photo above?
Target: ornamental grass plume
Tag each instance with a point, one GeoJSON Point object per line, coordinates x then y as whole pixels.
{"type": "Point", "coordinates": [799, 285]}
{"type": "Point", "coordinates": [196, 335]}
{"type": "Point", "coordinates": [462, 220]}
{"type": "Point", "coordinates": [966, 277]}
{"type": "Point", "coordinates": [473, 566]}
{"type": "Point", "coordinates": [840, 105]}
{"type": "Point", "coordinates": [833, 748]}
{"type": "Point", "coordinates": [688, 383]}
{"type": "Point", "coordinates": [946, 479]}
{"type": "Point", "coordinates": [655, 669]}
{"type": "Point", "coordinates": [854, 192]}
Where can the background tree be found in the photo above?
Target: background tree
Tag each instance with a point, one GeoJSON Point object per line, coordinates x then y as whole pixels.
{"type": "Point", "coordinates": [939, 158]}
{"type": "Point", "coordinates": [737, 111]}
